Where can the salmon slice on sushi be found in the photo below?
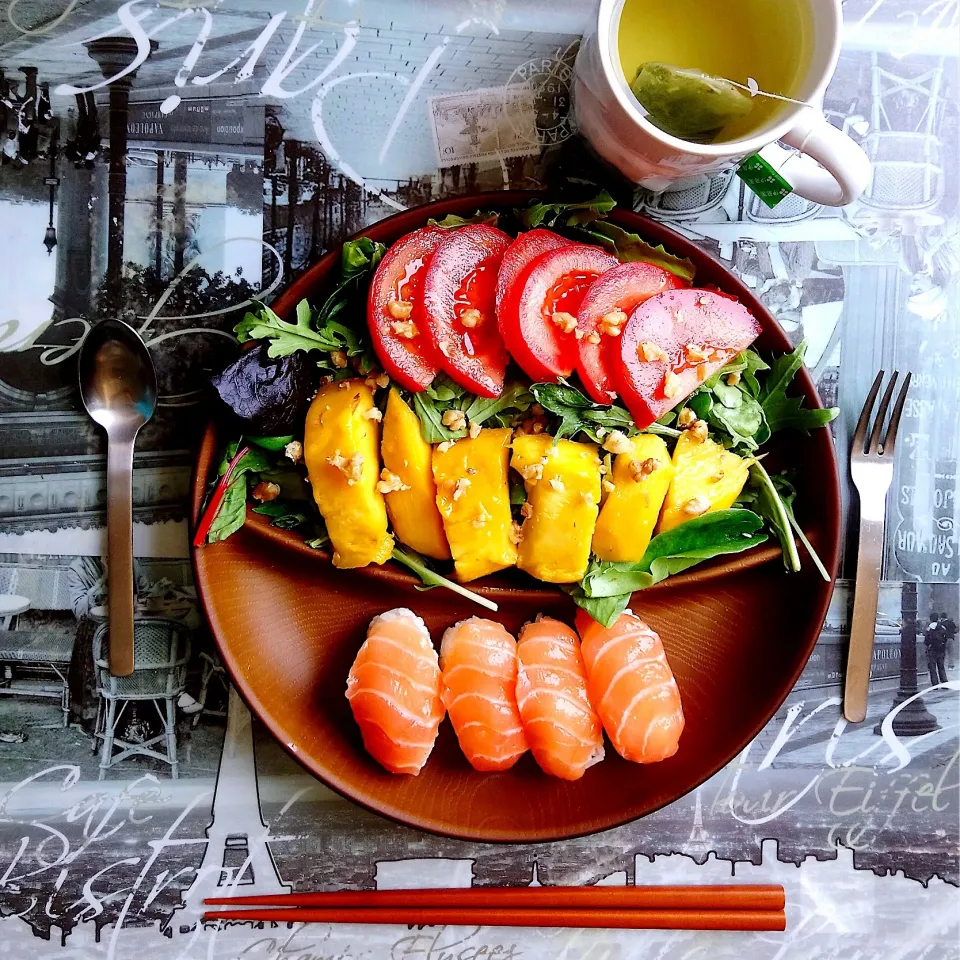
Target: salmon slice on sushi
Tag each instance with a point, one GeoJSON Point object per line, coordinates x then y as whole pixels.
{"type": "Point", "coordinates": [394, 691]}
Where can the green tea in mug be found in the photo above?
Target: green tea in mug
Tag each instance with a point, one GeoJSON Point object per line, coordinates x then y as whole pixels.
{"type": "Point", "coordinates": [690, 63]}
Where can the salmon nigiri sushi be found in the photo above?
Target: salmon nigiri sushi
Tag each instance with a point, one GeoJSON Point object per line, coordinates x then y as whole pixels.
{"type": "Point", "coordinates": [560, 724]}
{"type": "Point", "coordinates": [479, 689]}
{"type": "Point", "coordinates": [632, 687]}
{"type": "Point", "coordinates": [394, 691]}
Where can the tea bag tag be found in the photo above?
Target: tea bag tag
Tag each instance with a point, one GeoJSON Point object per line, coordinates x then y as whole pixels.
{"type": "Point", "coordinates": [760, 176]}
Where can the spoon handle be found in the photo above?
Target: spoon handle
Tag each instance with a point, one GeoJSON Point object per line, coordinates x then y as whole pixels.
{"type": "Point", "coordinates": [120, 554]}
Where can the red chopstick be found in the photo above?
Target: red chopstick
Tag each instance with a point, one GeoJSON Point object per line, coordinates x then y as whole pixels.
{"type": "Point", "coordinates": [708, 897]}
{"type": "Point", "coordinates": [728, 907]}
{"type": "Point", "coordinates": [654, 919]}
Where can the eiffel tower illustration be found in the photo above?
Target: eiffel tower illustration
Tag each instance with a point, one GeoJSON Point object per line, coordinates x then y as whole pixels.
{"type": "Point", "coordinates": [697, 845]}
{"type": "Point", "coordinates": [237, 859]}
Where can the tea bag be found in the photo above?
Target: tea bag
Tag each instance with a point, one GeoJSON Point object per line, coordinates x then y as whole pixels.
{"type": "Point", "coordinates": [687, 103]}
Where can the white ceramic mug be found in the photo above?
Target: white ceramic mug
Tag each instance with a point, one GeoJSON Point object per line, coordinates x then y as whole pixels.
{"type": "Point", "coordinates": [828, 168]}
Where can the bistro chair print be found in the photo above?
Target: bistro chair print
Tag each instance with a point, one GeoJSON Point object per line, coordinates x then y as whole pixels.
{"type": "Point", "coordinates": [161, 649]}
{"type": "Point", "coordinates": [903, 145]}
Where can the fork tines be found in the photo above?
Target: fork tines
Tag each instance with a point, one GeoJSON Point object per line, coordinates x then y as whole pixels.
{"type": "Point", "coordinates": [874, 446]}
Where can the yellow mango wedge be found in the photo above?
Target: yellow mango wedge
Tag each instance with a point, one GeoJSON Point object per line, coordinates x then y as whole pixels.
{"type": "Point", "coordinates": [474, 500]}
{"type": "Point", "coordinates": [629, 515]}
{"type": "Point", "coordinates": [563, 492]}
{"type": "Point", "coordinates": [341, 448]}
{"type": "Point", "coordinates": [407, 456]}
{"type": "Point", "coordinates": [705, 478]}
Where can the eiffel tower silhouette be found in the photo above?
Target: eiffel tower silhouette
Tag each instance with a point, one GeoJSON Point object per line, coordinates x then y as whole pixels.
{"type": "Point", "coordinates": [698, 843]}
{"type": "Point", "coordinates": [237, 858]}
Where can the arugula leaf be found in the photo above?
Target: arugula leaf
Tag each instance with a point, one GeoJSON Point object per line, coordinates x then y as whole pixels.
{"type": "Point", "coordinates": [739, 415]}
{"type": "Point", "coordinates": [413, 561]}
{"type": "Point", "coordinates": [443, 395]}
{"type": "Point", "coordinates": [770, 506]}
{"type": "Point", "coordinates": [782, 411]}
{"type": "Point", "coordinates": [576, 413]}
{"type": "Point", "coordinates": [714, 534]}
{"type": "Point", "coordinates": [631, 246]}
{"type": "Point", "coordinates": [547, 214]}
{"type": "Point", "coordinates": [321, 331]}
{"type": "Point", "coordinates": [452, 221]}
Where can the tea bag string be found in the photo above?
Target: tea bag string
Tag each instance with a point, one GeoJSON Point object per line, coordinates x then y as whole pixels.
{"type": "Point", "coordinates": [753, 89]}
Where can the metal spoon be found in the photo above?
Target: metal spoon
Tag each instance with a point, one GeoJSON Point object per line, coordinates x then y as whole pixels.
{"type": "Point", "coordinates": [118, 386]}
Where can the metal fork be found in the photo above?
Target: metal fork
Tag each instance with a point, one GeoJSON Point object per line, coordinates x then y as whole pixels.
{"type": "Point", "coordinates": [871, 466]}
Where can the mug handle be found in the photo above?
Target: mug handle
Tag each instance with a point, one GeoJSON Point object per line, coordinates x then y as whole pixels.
{"type": "Point", "coordinates": [830, 168]}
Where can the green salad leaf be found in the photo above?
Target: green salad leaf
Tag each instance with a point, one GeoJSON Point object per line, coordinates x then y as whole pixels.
{"type": "Point", "coordinates": [782, 411]}
{"type": "Point", "coordinates": [548, 214]}
{"type": "Point", "coordinates": [232, 512]}
{"type": "Point", "coordinates": [452, 220]}
{"type": "Point", "coordinates": [430, 578]}
{"type": "Point", "coordinates": [767, 502]}
{"type": "Point", "coordinates": [587, 221]}
{"type": "Point", "coordinates": [443, 395]}
{"type": "Point", "coordinates": [605, 589]}
{"type": "Point", "coordinates": [574, 412]}
{"type": "Point", "coordinates": [285, 514]}
{"type": "Point", "coordinates": [321, 330]}
{"type": "Point", "coordinates": [629, 246]}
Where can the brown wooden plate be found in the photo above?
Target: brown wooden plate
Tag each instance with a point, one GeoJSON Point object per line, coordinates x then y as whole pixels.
{"type": "Point", "coordinates": [737, 633]}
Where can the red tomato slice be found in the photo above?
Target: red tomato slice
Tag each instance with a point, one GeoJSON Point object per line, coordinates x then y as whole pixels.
{"type": "Point", "coordinates": [553, 283]}
{"type": "Point", "coordinates": [623, 288]}
{"type": "Point", "coordinates": [519, 254]}
{"type": "Point", "coordinates": [675, 341]}
{"type": "Point", "coordinates": [459, 307]}
{"type": "Point", "coordinates": [403, 345]}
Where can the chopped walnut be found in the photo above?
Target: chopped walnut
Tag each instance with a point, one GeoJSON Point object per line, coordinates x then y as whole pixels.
{"type": "Point", "coordinates": [698, 431]}
{"type": "Point", "coordinates": [650, 351]}
{"type": "Point", "coordinates": [578, 334]}
{"type": "Point", "coordinates": [587, 497]}
{"type": "Point", "coordinates": [481, 518]}
{"type": "Point", "coordinates": [446, 348]}
{"type": "Point", "coordinates": [390, 482]}
{"type": "Point", "coordinates": [265, 491]}
{"type": "Point", "coordinates": [696, 506]}
{"type": "Point", "coordinates": [338, 460]}
{"type": "Point", "coordinates": [342, 385]}
{"type": "Point", "coordinates": [532, 472]}
{"type": "Point", "coordinates": [608, 486]}
{"type": "Point", "coordinates": [567, 322]}
{"type": "Point", "coordinates": [338, 358]}
{"type": "Point", "coordinates": [617, 442]}
{"type": "Point", "coordinates": [383, 380]}
{"type": "Point", "coordinates": [445, 445]}
{"type": "Point", "coordinates": [294, 451]}
{"type": "Point", "coordinates": [536, 410]}
{"type": "Point", "coordinates": [405, 329]}
{"type": "Point", "coordinates": [671, 385]}
{"type": "Point", "coordinates": [454, 419]}
{"type": "Point", "coordinates": [696, 354]}
{"type": "Point", "coordinates": [354, 469]}
{"type": "Point", "coordinates": [702, 372]}
{"type": "Point", "coordinates": [733, 379]}
{"type": "Point", "coordinates": [471, 317]}
{"type": "Point", "coordinates": [686, 418]}
{"type": "Point", "coordinates": [612, 323]}
{"type": "Point", "coordinates": [592, 337]}
{"type": "Point", "coordinates": [400, 309]}
{"type": "Point", "coordinates": [474, 430]}
{"type": "Point", "coordinates": [460, 487]}
{"type": "Point", "coordinates": [374, 413]}
{"type": "Point", "coordinates": [642, 468]}
{"type": "Point", "coordinates": [555, 483]}
{"type": "Point", "coordinates": [516, 533]}
{"type": "Point", "coordinates": [526, 510]}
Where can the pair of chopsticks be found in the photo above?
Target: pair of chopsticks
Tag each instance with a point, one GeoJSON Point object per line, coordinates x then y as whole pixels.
{"type": "Point", "coordinates": [745, 907]}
